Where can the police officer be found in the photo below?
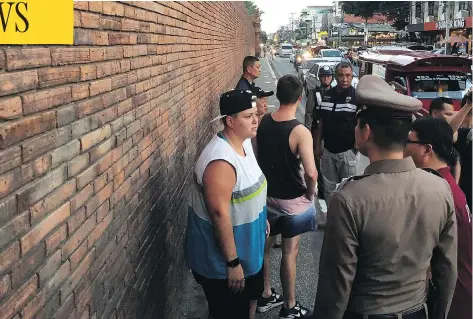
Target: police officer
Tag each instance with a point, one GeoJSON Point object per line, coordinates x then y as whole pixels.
{"type": "Point", "coordinates": [385, 228]}
{"type": "Point", "coordinates": [314, 99]}
{"type": "Point", "coordinates": [335, 126]}
{"type": "Point", "coordinates": [251, 71]}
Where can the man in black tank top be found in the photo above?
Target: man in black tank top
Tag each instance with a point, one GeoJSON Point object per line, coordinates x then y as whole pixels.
{"type": "Point", "coordinates": [282, 145]}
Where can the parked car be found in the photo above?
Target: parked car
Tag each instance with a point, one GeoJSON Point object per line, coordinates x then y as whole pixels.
{"type": "Point", "coordinates": [311, 79]}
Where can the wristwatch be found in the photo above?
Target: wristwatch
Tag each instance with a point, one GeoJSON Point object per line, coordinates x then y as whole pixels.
{"type": "Point", "coordinates": [233, 263]}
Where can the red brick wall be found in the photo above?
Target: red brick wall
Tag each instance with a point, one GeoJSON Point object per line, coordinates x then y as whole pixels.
{"type": "Point", "coordinates": [97, 142]}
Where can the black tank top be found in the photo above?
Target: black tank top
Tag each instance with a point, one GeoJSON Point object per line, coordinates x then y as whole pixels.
{"type": "Point", "coordinates": [280, 166]}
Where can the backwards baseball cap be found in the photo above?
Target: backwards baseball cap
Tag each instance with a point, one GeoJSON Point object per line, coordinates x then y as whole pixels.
{"type": "Point", "coordinates": [326, 70]}
{"type": "Point", "coordinates": [260, 93]}
{"type": "Point", "coordinates": [235, 101]}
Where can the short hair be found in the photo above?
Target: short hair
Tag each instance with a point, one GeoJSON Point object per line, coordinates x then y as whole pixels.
{"type": "Point", "coordinates": [389, 133]}
{"type": "Point", "coordinates": [289, 89]}
{"type": "Point", "coordinates": [438, 133]}
{"type": "Point", "coordinates": [437, 104]}
{"type": "Point", "coordinates": [249, 61]}
{"type": "Point", "coordinates": [342, 65]}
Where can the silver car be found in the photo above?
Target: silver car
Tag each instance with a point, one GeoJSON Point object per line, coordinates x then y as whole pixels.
{"type": "Point", "coordinates": [305, 66]}
{"type": "Point", "coordinates": [311, 80]}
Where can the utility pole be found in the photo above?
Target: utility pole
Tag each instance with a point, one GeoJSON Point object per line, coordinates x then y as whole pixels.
{"type": "Point", "coordinates": [340, 28]}
{"type": "Point", "coordinates": [447, 26]}
{"type": "Point", "coordinates": [292, 24]}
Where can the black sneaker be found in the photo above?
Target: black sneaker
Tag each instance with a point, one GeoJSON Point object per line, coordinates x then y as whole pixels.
{"type": "Point", "coordinates": [265, 304]}
{"type": "Point", "coordinates": [296, 312]}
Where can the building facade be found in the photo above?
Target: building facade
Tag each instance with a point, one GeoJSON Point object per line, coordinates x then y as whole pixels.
{"type": "Point", "coordinates": [429, 20]}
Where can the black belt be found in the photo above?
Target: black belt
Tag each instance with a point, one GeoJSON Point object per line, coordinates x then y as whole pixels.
{"type": "Point", "coordinates": [408, 314]}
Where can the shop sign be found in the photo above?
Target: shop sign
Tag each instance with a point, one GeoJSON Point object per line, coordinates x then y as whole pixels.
{"type": "Point", "coordinates": [452, 24]}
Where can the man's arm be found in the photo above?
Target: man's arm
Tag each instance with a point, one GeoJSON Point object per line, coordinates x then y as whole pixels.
{"type": "Point", "coordinates": [218, 182]}
{"type": "Point", "coordinates": [457, 119]}
{"type": "Point", "coordinates": [309, 109]}
{"type": "Point", "coordinates": [338, 260]}
{"type": "Point", "coordinates": [317, 137]}
{"type": "Point", "coordinates": [444, 267]}
{"type": "Point", "coordinates": [306, 154]}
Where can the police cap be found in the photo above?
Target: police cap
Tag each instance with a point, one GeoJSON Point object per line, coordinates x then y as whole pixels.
{"type": "Point", "coordinates": [326, 70]}
{"type": "Point", "coordinates": [376, 95]}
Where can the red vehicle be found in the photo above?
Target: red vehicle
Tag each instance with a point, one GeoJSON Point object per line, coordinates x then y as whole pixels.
{"type": "Point", "coordinates": [423, 75]}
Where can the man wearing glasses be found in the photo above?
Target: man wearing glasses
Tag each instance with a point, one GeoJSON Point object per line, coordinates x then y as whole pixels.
{"type": "Point", "coordinates": [430, 145]}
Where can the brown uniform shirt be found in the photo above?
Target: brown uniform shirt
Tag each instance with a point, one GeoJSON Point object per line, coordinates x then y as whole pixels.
{"type": "Point", "coordinates": [383, 231]}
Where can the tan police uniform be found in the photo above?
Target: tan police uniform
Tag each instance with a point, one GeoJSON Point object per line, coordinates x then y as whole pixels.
{"type": "Point", "coordinates": [384, 229]}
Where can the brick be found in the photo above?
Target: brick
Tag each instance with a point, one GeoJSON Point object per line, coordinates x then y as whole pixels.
{"type": "Point", "coordinates": [11, 181]}
{"type": "Point", "coordinates": [43, 100]}
{"type": "Point", "coordinates": [89, 20]}
{"type": "Point", "coordinates": [106, 53]}
{"type": "Point", "coordinates": [27, 266]}
{"type": "Point", "coordinates": [99, 37]}
{"type": "Point", "coordinates": [14, 228]}
{"type": "Point", "coordinates": [89, 106]}
{"type": "Point", "coordinates": [88, 72]}
{"type": "Point", "coordinates": [62, 56]}
{"type": "Point", "coordinates": [52, 201]}
{"type": "Point", "coordinates": [77, 164]}
{"type": "Point", "coordinates": [81, 197]}
{"type": "Point", "coordinates": [33, 237]}
{"type": "Point", "coordinates": [10, 108]}
{"type": "Point", "coordinates": [108, 68]}
{"type": "Point", "coordinates": [57, 76]}
{"type": "Point", "coordinates": [102, 149]}
{"type": "Point", "coordinates": [66, 115]}
{"type": "Point", "coordinates": [12, 132]}
{"type": "Point", "coordinates": [95, 137]}
{"type": "Point", "coordinates": [115, 38]}
{"type": "Point", "coordinates": [80, 91]}
{"type": "Point", "coordinates": [45, 142]}
{"type": "Point", "coordinates": [113, 8]}
{"type": "Point", "coordinates": [56, 238]}
{"type": "Point", "coordinates": [5, 286]}
{"type": "Point", "coordinates": [10, 158]}
{"type": "Point", "coordinates": [77, 256]}
{"type": "Point", "coordinates": [113, 97]}
{"type": "Point", "coordinates": [76, 239]}
{"type": "Point", "coordinates": [100, 86]}
{"type": "Point", "coordinates": [8, 209]}
{"type": "Point", "coordinates": [77, 23]}
{"type": "Point", "coordinates": [41, 187]}
{"type": "Point", "coordinates": [99, 230]}
{"type": "Point", "coordinates": [130, 25]}
{"type": "Point", "coordinates": [25, 58]}
{"type": "Point", "coordinates": [96, 201]}
{"type": "Point", "coordinates": [65, 153]}
{"type": "Point", "coordinates": [100, 182]}
{"type": "Point", "coordinates": [47, 271]}
{"type": "Point", "coordinates": [19, 298]}
{"type": "Point", "coordinates": [75, 221]}
{"type": "Point", "coordinates": [9, 255]}
{"type": "Point", "coordinates": [81, 5]}
{"type": "Point", "coordinates": [95, 6]}
{"type": "Point", "coordinates": [15, 82]}
{"type": "Point", "coordinates": [40, 165]}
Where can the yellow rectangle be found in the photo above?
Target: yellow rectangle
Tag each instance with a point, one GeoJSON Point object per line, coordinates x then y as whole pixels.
{"type": "Point", "coordinates": [37, 22]}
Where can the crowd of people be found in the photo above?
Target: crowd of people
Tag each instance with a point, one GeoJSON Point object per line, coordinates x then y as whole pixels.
{"type": "Point", "coordinates": [397, 239]}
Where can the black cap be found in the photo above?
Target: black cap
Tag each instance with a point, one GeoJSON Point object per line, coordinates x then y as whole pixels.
{"type": "Point", "coordinates": [235, 101]}
{"type": "Point", "coordinates": [326, 70]}
{"type": "Point", "coordinates": [260, 93]}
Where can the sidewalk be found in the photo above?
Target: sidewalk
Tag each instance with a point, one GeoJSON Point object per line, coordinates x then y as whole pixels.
{"type": "Point", "coordinates": [194, 302]}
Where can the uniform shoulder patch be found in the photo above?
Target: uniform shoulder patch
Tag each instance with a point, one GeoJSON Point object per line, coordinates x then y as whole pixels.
{"type": "Point", "coordinates": [350, 179]}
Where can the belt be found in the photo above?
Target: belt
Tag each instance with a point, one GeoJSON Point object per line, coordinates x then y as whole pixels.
{"type": "Point", "coordinates": [408, 314]}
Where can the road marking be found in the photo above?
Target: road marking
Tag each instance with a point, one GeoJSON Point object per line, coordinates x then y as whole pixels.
{"type": "Point", "coordinates": [268, 82]}
{"type": "Point", "coordinates": [265, 76]}
{"type": "Point", "coordinates": [271, 70]}
{"type": "Point", "coordinates": [271, 106]}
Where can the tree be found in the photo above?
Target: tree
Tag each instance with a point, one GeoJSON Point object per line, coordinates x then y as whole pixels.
{"type": "Point", "coordinates": [366, 10]}
{"type": "Point", "coordinates": [398, 12]}
{"type": "Point", "coordinates": [252, 8]}
{"type": "Point", "coordinates": [263, 37]}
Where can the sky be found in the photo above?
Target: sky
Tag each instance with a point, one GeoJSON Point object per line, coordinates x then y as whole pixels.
{"type": "Point", "coordinates": [277, 13]}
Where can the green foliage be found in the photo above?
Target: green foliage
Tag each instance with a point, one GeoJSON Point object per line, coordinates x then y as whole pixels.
{"type": "Point", "coordinates": [263, 37]}
{"type": "Point", "coordinates": [366, 10]}
{"type": "Point", "coordinates": [251, 7]}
